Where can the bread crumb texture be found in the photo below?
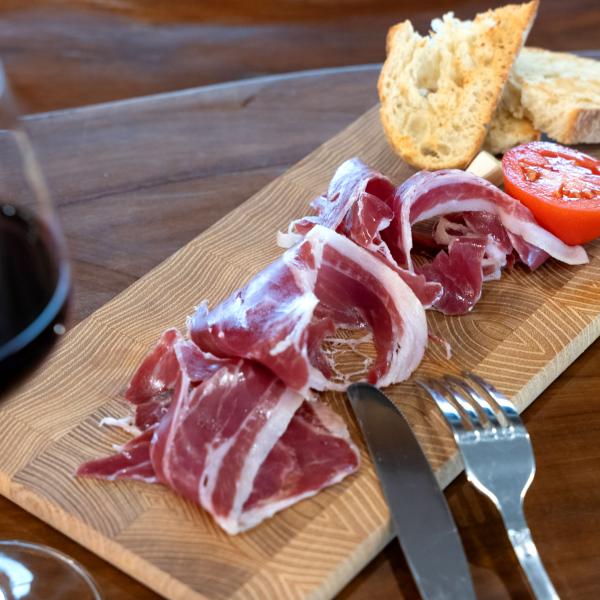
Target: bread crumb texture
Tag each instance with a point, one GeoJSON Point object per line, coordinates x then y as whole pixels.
{"type": "Point", "coordinates": [439, 92]}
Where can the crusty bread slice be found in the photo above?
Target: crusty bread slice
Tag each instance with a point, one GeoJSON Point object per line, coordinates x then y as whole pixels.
{"type": "Point", "coordinates": [439, 93]}
{"type": "Point", "coordinates": [506, 131]}
{"type": "Point", "coordinates": [558, 92]}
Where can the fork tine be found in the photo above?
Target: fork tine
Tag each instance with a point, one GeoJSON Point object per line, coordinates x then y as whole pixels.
{"type": "Point", "coordinates": [448, 410]}
{"type": "Point", "coordinates": [506, 406]}
{"type": "Point", "coordinates": [485, 406]}
{"type": "Point", "coordinates": [459, 398]}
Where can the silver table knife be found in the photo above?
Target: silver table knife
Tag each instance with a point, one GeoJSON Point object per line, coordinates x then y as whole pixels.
{"type": "Point", "coordinates": [421, 517]}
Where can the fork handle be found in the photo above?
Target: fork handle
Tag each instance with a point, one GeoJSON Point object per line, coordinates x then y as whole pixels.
{"type": "Point", "coordinates": [526, 551]}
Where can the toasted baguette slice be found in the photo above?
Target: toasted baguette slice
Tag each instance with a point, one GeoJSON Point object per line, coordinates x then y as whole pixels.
{"type": "Point", "coordinates": [439, 93]}
{"type": "Point", "coordinates": [558, 92]}
{"type": "Point", "coordinates": [507, 131]}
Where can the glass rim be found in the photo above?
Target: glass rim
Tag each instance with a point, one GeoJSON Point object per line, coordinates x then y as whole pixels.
{"type": "Point", "coordinates": [60, 556]}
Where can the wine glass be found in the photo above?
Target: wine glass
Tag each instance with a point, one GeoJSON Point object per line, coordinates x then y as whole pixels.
{"type": "Point", "coordinates": [34, 298]}
{"type": "Point", "coordinates": [34, 271]}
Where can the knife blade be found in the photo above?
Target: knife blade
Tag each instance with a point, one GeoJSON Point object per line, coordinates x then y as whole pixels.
{"type": "Point", "coordinates": [420, 515]}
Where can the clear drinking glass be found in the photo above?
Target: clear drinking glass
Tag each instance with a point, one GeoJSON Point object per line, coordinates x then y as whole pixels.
{"type": "Point", "coordinates": [34, 297]}
{"type": "Point", "coordinates": [35, 572]}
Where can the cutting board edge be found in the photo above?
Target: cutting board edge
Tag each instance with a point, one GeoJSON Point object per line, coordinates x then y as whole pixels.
{"type": "Point", "coordinates": [565, 358]}
{"type": "Point", "coordinates": [98, 314]}
{"type": "Point", "coordinates": [77, 530]}
{"type": "Point", "coordinates": [153, 577]}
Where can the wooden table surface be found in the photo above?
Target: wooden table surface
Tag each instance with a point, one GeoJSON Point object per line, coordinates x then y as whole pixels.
{"type": "Point", "coordinates": [64, 53]}
{"type": "Point", "coordinates": [247, 134]}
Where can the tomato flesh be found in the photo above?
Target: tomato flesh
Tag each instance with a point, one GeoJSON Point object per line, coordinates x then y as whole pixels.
{"type": "Point", "coordinates": [560, 186]}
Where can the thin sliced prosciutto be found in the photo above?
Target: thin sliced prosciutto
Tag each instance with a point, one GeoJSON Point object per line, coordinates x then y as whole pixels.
{"type": "Point", "coordinates": [151, 386]}
{"type": "Point", "coordinates": [432, 194]}
{"type": "Point", "coordinates": [358, 205]}
{"type": "Point", "coordinates": [284, 314]}
{"type": "Point", "coordinates": [239, 442]}
{"type": "Point", "coordinates": [459, 272]}
{"type": "Point", "coordinates": [314, 452]}
{"type": "Point", "coordinates": [132, 461]}
{"type": "Point", "coordinates": [150, 393]}
{"type": "Point", "coordinates": [227, 418]}
{"type": "Point", "coordinates": [471, 213]}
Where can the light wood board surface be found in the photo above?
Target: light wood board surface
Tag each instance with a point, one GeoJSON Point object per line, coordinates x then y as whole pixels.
{"type": "Point", "coordinates": [524, 332]}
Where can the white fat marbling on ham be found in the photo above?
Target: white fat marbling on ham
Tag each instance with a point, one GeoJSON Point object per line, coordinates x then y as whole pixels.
{"type": "Point", "coordinates": [325, 282]}
{"type": "Point", "coordinates": [314, 427]}
{"type": "Point", "coordinates": [287, 239]}
{"type": "Point", "coordinates": [125, 423]}
{"type": "Point", "coordinates": [358, 205]}
{"type": "Point", "coordinates": [236, 442]}
{"type": "Point", "coordinates": [431, 194]}
{"type": "Point", "coordinates": [471, 210]}
{"type": "Point", "coordinates": [495, 252]}
{"type": "Point", "coordinates": [352, 185]}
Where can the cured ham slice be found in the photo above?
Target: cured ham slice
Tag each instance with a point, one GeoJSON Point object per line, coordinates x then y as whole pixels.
{"type": "Point", "coordinates": [238, 442]}
{"type": "Point", "coordinates": [233, 427]}
{"type": "Point", "coordinates": [283, 315]}
{"type": "Point", "coordinates": [152, 384]}
{"type": "Point", "coordinates": [314, 452]}
{"type": "Point", "coordinates": [216, 436]}
{"type": "Point", "coordinates": [361, 204]}
{"type": "Point", "coordinates": [432, 194]}
{"type": "Point", "coordinates": [472, 213]}
{"type": "Point", "coordinates": [131, 462]}
{"type": "Point", "coordinates": [358, 205]}
{"type": "Point", "coordinates": [150, 392]}
{"type": "Point", "coordinates": [479, 228]}
{"type": "Point", "coordinates": [244, 446]}
{"type": "Point", "coordinates": [459, 272]}
{"type": "Point", "coordinates": [228, 419]}
{"type": "Point", "coordinates": [158, 371]}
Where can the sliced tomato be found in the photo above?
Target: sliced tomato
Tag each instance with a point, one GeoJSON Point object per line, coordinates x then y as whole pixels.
{"type": "Point", "coordinates": [560, 186]}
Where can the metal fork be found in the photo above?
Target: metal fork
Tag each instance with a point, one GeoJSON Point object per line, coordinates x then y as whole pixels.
{"type": "Point", "coordinates": [498, 458]}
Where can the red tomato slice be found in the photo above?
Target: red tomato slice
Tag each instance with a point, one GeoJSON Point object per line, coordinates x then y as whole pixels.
{"type": "Point", "coordinates": [560, 186]}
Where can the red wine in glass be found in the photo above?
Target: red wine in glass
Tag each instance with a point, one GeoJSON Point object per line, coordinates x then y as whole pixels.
{"type": "Point", "coordinates": [34, 291]}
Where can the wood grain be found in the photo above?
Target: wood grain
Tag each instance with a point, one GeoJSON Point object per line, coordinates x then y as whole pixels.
{"type": "Point", "coordinates": [525, 331]}
{"type": "Point", "coordinates": [135, 181]}
{"type": "Point", "coordinates": [65, 53]}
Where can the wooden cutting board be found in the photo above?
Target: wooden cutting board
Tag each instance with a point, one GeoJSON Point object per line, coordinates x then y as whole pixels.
{"type": "Point", "coordinates": [527, 328]}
